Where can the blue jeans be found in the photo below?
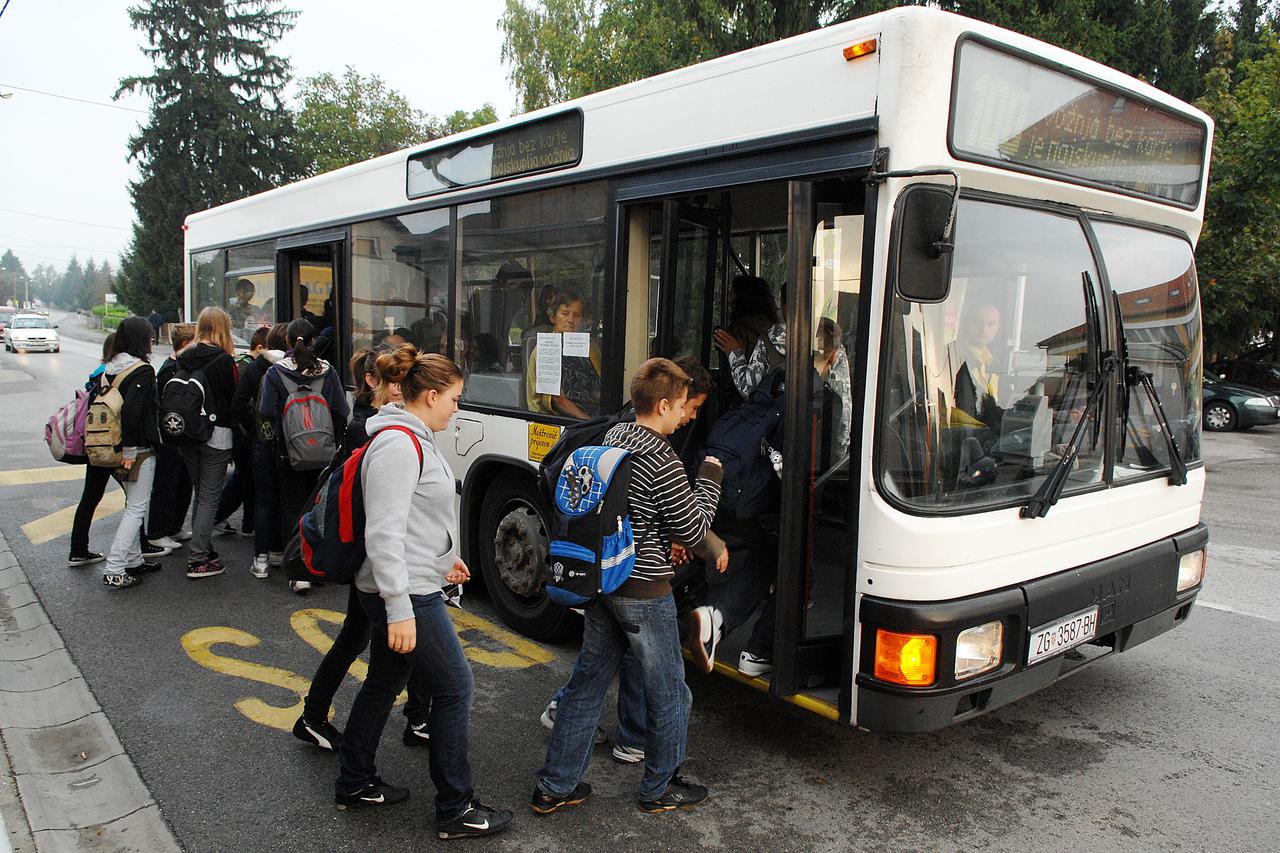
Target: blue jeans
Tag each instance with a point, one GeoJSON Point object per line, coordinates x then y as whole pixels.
{"type": "Point", "coordinates": [437, 662]}
{"type": "Point", "coordinates": [613, 625]}
{"type": "Point", "coordinates": [630, 729]}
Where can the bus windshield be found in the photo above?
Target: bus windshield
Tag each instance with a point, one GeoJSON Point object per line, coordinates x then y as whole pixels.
{"type": "Point", "coordinates": [982, 391]}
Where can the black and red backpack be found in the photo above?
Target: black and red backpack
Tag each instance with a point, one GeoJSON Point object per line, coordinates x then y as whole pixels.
{"type": "Point", "coordinates": [328, 545]}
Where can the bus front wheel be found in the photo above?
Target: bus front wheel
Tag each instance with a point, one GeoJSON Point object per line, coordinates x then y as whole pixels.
{"type": "Point", "coordinates": [514, 541]}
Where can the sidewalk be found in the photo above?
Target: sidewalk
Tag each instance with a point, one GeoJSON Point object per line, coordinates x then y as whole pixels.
{"type": "Point", "coordinates": [66, 783]}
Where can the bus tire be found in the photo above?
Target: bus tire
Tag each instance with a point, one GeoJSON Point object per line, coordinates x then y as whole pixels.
{"type": "Point", "coordinates": [513, 543]}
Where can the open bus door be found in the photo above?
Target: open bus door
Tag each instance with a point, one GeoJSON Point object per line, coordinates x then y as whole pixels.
{"type": "Point", "coordinates": [311, 276]}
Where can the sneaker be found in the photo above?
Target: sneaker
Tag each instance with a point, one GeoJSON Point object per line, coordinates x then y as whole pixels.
{"type": "Point", "coordinates": [376, 793]}
{"type": "Point", "coordinates": [247, 534]}
{"type": "Point", "coordinates": [754, 665]}
{"type": "Point", "coordinates": [476, 819]}
{"type": "Point", "coordinates": [224, 528]}
{"type": "Point", "coordinates": [549, 722]}
{"type": "Point", "coordinates": [323, 735]}
{"type": "Point", "coordinates": [275, 558]}
{"type": "Point", "coordinates": [300, 587]}
{"type": "Point", "coordinates": [167, 542]}
{"type": "Point", "coordinates": [416, 734]}
{"type": "Point", "coordinates": [627, 754]}
{"type": "Point", "coordinates": [544, 803]}
{"type": "Point", "coordinates": [259, 568]}
{"type": "Point", "coordinates": [182, 535]}
{"type": "Point", "coordinates": [679, 795]}
{"type": "Point", "coordinates": [705, 629]}
{"type": "Point", "coordinates": [88, 558]}
{"type": "Point", "coordinates": [204, 569]}
{"type": "Point", "coordinates": [151, 549]}
{"type": "Point", "coordinates": [123, 580]}
{"type": "Point", "coordinates": [144, 568]}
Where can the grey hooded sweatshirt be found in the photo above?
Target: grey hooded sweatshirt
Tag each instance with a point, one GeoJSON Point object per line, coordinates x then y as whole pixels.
{"type": "Point", "coordinates": [411, 523]}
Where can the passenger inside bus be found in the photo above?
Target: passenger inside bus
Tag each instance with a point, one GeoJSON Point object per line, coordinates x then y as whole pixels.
{"type": "Point", "coordinates": [756, 339]}
{"type": "Point", "coordinates": [579, 395]}
{"type": "Point", "coordinates": [969, 359]}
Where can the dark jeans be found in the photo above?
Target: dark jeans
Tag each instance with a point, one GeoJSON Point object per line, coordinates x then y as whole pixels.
{"type": "Point", "coordinates": [630, 730]}
{"type": "Point", "coordinates": [352, 639]}
{"type": "Point", "coordinates": [238, 488]}
{"type": "Point", "coordinates": [439, 661]}
{"type": "Point", "coordinates": [612, 625]}
{"type": "Point", "coordinates": [295, 488]}
{"type": "Point", "coordinates": [266, 507]}
{"type": "Point", "coordinates": [170, 494]}
{"type": "Point", "coordinates": [95, 484]}
{"type": "Point", "coordinates": [737, 593]}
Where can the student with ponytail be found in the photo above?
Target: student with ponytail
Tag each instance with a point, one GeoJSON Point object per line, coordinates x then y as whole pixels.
{"type": "Point", "coordinates": [300, 368]}
{"type": "Point", "coordinates": [408, 485]}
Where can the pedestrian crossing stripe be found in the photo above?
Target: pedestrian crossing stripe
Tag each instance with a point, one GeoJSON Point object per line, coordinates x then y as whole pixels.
{"type": "Point", "coordinates": [59, 523]}
{"type": "Point", "coordinates": [31, 476]}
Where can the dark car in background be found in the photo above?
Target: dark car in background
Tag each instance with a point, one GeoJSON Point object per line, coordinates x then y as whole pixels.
{"type": "Point", "coordinates": [1255, 368]}
{"type": "Point", "coordinates": [1229, 406]}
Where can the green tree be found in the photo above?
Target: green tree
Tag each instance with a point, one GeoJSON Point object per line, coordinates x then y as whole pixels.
{"type": "Point", "coordinates": [461, 120]}
{"type": "Point", "coordinates": [343, 120]}
{"type": "Point", "coordinates": [1239, 250]}
{"type": "Point", "coordinates": [70, 285]}
{"type": "Point", "coordinates": [218, 129]}
{"type": "Point", "coordinates": [13, 278]}
{"type": "Point", "coordinates": [43, 279]}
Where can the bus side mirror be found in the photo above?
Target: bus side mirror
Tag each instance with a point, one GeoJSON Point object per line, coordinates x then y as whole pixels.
{"type": "Point", "coordinates": [924, 239]}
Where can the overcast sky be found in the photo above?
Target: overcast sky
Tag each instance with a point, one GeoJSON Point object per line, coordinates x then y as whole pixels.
{"type": "Point", "coordinates": [64, 160]}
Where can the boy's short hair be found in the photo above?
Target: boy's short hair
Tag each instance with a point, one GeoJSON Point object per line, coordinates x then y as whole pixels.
{"type": "Point", "coordinates": [181, 334]}
{"type": "Point", "coordinates": [259, 337]}
{"type": "Point", "coordinates": [700, 380]}
{"type": "Point", "coordinates": [656, 380]}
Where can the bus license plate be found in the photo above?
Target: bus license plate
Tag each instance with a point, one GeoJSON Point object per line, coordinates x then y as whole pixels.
{"type": "Point", "coordinates": [1057, 638]}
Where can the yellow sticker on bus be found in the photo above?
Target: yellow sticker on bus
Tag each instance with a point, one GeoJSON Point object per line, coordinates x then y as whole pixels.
{"type": "Point", "coordinates": [541, 439]}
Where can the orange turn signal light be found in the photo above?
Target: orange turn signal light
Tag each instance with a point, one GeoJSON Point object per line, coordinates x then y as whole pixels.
{"type": "Point", "coordinates": [862, 48]}
{"type": "Point", "coordinates": [909, 659]}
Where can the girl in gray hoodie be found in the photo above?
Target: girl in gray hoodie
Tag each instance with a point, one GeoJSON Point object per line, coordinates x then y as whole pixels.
{"type": "Point", "coordinates": [408, 486]}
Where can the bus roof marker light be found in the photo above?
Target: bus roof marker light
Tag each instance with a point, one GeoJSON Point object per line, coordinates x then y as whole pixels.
{"type": "Point", "coordinates": [862, 48]}
{"type": "Point", "coordinates": [907, 659]}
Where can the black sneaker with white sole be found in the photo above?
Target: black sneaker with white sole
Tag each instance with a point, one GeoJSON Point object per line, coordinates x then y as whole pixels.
{"type": "Point", "coordinates": [144, 568]}
{"type": "Point", "coordinates": [323, 735]}
{"type": "Point", "coordinates": [416, 734]}
{"type": "Point", "coordinates": [123, 580]}
{"type": "Point", "coordinates": [150, 549]}
{"type": "Point", "coordinates": [88, 558]}
{"type": "Point", "coordinates": [544, 803]}
{"type": "Point", "coordinates": [476, 819]}
{"type": "Point", "coordinates": [376, 793]}
{"type": "Point", "coordinates": [680, 794]}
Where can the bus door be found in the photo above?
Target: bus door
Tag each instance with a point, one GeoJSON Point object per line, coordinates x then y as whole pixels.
{"type": "Point", "coordinates": [311, 281]}
{"type": "Point", "coordinates": [817, 537]}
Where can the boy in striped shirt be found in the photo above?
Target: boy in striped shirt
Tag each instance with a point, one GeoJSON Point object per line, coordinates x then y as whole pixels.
{"type": "Point", "coordinates": [641, 614]}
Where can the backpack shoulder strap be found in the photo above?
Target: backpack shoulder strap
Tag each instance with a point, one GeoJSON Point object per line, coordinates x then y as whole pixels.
{"type": "Point", "coordinates": [290, 384]}
{"type": "Point", "coordinates": [120, 377]}
{"type": "Point", "coordinates": [417, 445]}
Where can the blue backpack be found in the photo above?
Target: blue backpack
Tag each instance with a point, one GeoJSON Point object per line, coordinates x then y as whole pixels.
{"type": "Point", "coordinates": [592, 545]}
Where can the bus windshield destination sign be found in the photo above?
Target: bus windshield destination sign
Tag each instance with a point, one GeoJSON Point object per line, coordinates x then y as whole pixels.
{"type": "Point", "coordinates": [539, 146]}
{"type": "Point", "coordinates": [1016, 113]}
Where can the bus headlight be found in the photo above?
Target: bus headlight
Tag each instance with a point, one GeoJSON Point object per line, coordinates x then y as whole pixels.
{"type": "Point", "coordinates": [909, 659]}
{"type": "Point", "coordinates": [1190, 570]}
{"type": "Point", "coordinates": [979, 649]}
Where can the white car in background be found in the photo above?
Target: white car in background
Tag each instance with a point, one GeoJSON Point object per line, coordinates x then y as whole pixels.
{"type": "Point", "coordinates": [30, 332]}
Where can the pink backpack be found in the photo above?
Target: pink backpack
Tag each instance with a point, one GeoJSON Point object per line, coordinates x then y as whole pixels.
{"type": "Point", "coordinates": [64, 433]}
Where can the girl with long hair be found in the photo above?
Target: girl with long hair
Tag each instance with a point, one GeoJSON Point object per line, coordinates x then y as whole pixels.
{"type": "Point", "coordinates": [400, 586]}
{"type": "Point", "coordinates": [268, 545]}
{"type": "Point", "coordinates": [95, 484]}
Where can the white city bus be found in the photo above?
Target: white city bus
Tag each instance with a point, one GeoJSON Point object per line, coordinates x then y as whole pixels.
{"type": "Point", "coordinates": [999, 232]}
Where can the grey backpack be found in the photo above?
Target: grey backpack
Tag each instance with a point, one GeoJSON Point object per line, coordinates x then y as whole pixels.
{"type": "Point", "coordinates": [306, 425]}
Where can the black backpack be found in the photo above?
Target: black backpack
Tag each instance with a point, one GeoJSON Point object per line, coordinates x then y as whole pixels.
{"type": "Point", "coordinates": [183, 417]}
{"type": "Point", "coordinates": [744, 439]}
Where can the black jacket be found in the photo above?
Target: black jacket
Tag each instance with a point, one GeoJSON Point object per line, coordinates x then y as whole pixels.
{"type": "Point", "coordinates": [244, 402]}
{"type": "Point", "coordinates": [220, 373]}
{"type": "Point", "coordinates": [139, 417]}
{"type": "Point", "coordinates": [356, 435]}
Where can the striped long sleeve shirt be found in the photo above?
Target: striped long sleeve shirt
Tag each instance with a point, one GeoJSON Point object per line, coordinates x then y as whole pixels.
{"type": "Point", "coordinates": [664, 509]}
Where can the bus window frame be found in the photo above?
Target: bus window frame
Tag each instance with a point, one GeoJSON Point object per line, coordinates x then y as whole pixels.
{"type": "Point", "coordinates": [1084, 77]}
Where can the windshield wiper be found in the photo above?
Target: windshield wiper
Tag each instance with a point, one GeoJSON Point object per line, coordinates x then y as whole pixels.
{"type": "Point", "coordinates": [1100, 365]}
{"type": "Point", "coordinates": [1135, 376]}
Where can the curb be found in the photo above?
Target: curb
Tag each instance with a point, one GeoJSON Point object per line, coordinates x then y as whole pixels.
{"type": "Point", "coordinates": [66, 782]}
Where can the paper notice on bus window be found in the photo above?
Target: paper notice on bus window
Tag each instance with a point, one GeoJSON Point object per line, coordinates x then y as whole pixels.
{"type": "Point", "coordinates": [577, 344]}
{"type": "Point", "coordinates": [547, 380]}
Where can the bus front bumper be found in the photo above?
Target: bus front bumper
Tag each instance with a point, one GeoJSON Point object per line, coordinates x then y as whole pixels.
{"type": "Point", "coordinates": [1136, 597]}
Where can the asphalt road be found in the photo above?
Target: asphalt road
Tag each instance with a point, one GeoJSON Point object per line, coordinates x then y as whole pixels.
{"type": "Point", "coordinates": [1171, 746]}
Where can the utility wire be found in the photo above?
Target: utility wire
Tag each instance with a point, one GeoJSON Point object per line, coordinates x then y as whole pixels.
{"type": "Point", "coordinates": [69, 221]}
{"type": "Point", "coordinates": [2, 8]}
{"type": "Point", "coordinates": [29, 241]}
{"type": "Point", "coordinates": [70, 98]}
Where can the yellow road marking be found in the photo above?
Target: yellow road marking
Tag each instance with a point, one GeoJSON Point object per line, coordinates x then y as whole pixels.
{"type": "Point", "coordinates": [28, 476]}
{"type": "Point", "coordinates": [59, 523]}
{"type": "Point", "coordinates": [199, 646]}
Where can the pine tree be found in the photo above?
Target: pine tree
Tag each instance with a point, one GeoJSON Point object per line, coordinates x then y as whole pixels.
{"type": "Point", "coordinates": [13, 278]}
{"type": "Point", "coordinates": [218, 129]}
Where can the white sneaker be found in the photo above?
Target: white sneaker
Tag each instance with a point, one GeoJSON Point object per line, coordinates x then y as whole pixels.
{"type": "Point", "coordinates": [627, 754]}
{"type": "Point", "coordinates": [705, 628]}
{"type": "Point", "coordinates": [754, 665]}
{"type": "Point", "coordinates": [259, 568]}
{"type": "Point", "coordinates": [275, 558]}
{"type": "Point", "coordinates": [300, 587]}
{"type": "Point", "coordinates": [549, 721]}
{"type": "Point", "coordinates": [166, 542]}
{"type": "Point", "coordinates": [182, 535]}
